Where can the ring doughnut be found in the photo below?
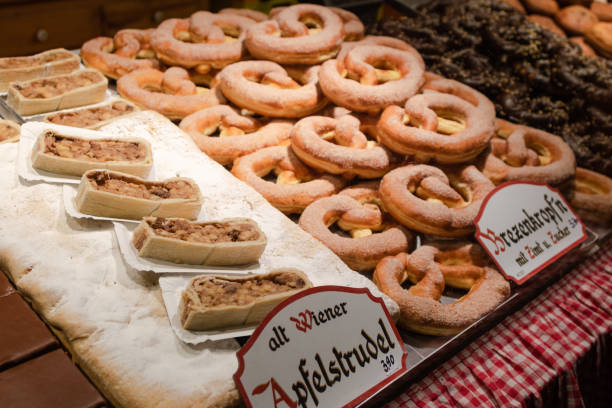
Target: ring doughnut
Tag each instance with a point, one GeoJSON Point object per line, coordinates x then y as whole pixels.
{"type": "Point", "coordinates": [128, 51]}
{"type": "Point", "coordinates": [524, 153]}
{"type": "Point", "coordinates": [296, 185]}
{"type": "Point", "coordinates": [350, 153]}
{"type": "Point", "coordinates": [265, 87]}
{"type": "Point", "coordinates": [238, 135]}
{"type": "Point", "coordinates": [254, 15]}
{"type": "Point", "coordinates": [299, 34]}
{"type": "Point", "coordinates": [371, 77]}
{"type": "Point", "coordinates": [437, 126]}
{"type": "Point", "coordinates": [216, 40]}
{"type": "Point", "coordinates": [420, 308]}
{"type": "Point", "coordinates": [364, 250]}
{"type": "Point", "coordinates": [591, 196]}
{"type": "Point", "coordinates": [426, 199]}
{"type": "Point", "coordinates": [170, 93]}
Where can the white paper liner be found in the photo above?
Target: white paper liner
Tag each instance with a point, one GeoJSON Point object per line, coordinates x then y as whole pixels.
{"type": "Point", "coordinates": [130, 254]}
{"type": "Point", "coordinates": [30, 132]}
{"type": "Point", "coordinates": [69, 193]}
{"type": "Point", "coordinates": [172, 286]}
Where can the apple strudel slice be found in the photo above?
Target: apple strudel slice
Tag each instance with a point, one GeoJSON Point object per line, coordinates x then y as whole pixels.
{"type": "Point", "coordinates": [48, 63]}
{"type": "Point", "coordinates": [93, 117]}
{"type": "Point", "coordinates": [106, 193]}
{"type": "Point", "coordinates": [233, 241]}
{"type": "Point", "coordinates": [215, 302]}
{"type": "Point", "coordinates": [57, 92]}
{"type": "Point", "coordinates": [9, 131]}
{"type": "Point", "coordinates": [73, 155]}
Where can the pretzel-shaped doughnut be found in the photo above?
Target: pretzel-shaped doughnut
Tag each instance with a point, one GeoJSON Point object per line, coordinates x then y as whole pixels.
{"type": "Point", "coordinates": [254, 15]}
{"type": "Point", "coordinates": [300, 34]}
{"type": "Point", "coordinates": [592, 196]}
{"type": "Point", "coordinates": [170, 93]}
{"type": "Point", "coordinates": [425, 198]}
{"type": "Point", "coordinates": [352, 154]}
{"type": "Point", "coordinates": [524, 153]}
{"type": "Point", "coordinates": [128, 51]}
{"type": "Point", "coordinates": [202, 42]}
{"type": "Point", "coordinates": [363, 250]}
{"type": "Point", "coordinates": [371, 77]}
{"type": "Point", "coordinates": [296, 185]}
{"type": "Point", "coordinates": [238, 135]}
{"type": "Point", "coordinates": [438, 126]}
{"type": "Point", "coordinates": [420, 309]}
{"type": "Point", "coordinates": [461, 262]}
{"type": "Point", "coordinates": [353, 27]}
{"type": "Point", "coordinates": [265, 88]}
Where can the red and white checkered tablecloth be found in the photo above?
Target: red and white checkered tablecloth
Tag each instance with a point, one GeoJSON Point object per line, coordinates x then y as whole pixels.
{"type": "Point", "coordinates": [556, 351]}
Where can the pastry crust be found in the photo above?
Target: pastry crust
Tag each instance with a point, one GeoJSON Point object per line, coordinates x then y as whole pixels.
{"type": "Point", "coordinates": [48, 63]}
{"type": "Point", "coordinates": [79, 88]}
{"type": "Point", "coordinates": [9, 131]}
{"type": "Point", "coordinates": [113, 194]}
{"type": "Point", "coordinates": [53, 149]}
{"type": "Point", "coordinates": [233, 241]}
{"type": "Point", "coordinates": [93, 117]}
{"type": "Point", "coordinates": [196, 315]}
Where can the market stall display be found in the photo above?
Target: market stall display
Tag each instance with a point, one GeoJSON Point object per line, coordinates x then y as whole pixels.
{"type": "Point", "coordinates": [379, 156]}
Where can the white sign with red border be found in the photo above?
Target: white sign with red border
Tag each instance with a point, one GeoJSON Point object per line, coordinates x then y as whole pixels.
{"type": "Point", "coordinates": [329, 346]}
{"type": "Point", "coordinates": [525, 226]}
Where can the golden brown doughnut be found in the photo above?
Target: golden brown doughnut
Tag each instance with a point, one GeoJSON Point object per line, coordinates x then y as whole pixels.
{"type": "Point", "coordinates": [585, 48]}
{"type": "Point", "coordinates": [439, 126]}
{"type": "Point", "coordinates": [254, 15]}
{"type": "Point", "coordinates": [299, 34]}
{"type": "Point", "coordinates": [576, 19]}
{"type": "Point", "coordinates": [170, 93]}
{"type": "Point", "coordinates": [546, 23]}
{"type": "Point", "coordinates": [365, 248]}
{"type": "Point", "coordinates": [265, 87]}
{"type": "Point", "coordinates": [425, 198]}
{"type": "Point", "coordinates": [546, 7]}
{"type": "Point", "coordinates": [603, 11]}
{"type": "Point", "coordinates": [591, 196]}
{"type": "Point", "coordinates": [296, 185]}
{"type": "Point", "coordinates": [516, 4]}
{"type": "Point", "coordinates": [237, 135]}
{"type": "Point", "coordinates": [599, 36]}
{"type": "Point", "coordinates": [420, 309]}
{"type": "Point", "coordinates": [128, 51]}
{"type": "Point", "coordinates": [339, 146]}
{"type": "Point", "coordinates": [524, 153]}
{"type": "Point", "coordinates": [204, 41]}
{"type": "Point", "coordinates": [371, 77]}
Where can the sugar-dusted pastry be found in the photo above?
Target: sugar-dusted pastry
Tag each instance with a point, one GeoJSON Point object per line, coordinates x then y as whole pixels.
{"type": "Point", "coordinates": [171, 93]}
{"type": "Point", "coordinates": [48, 63]}
{"type": "Point", "coordinates": [113, 194]}
{"type": "Point", "coordinates": [58, 92]}
{"type": "Point", "coordinates": [420, 307]}
{"type": "Point", "coordinates": [299, 34]}
{"type": "Point", "coordinates": [232, 241]}
{"type": "Point", "coordinates": [94, 117]}
{"type": "Point", "coordinates": [128, 51]}
{"type": "Point", "coordinates": [216, 302]}
{"type": "Point", "coordinates": [427, 199]}
{"type": "Point", "coordinates": [70, 154]}
{"type": "Point", "coordinates": [591, 196]}
{"type": "Point", "coordinates": [524, 153]}
{"type": "Point", "coordinates": [9, 131]}
{"type": "Point", "coordinates": [371, 234]}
